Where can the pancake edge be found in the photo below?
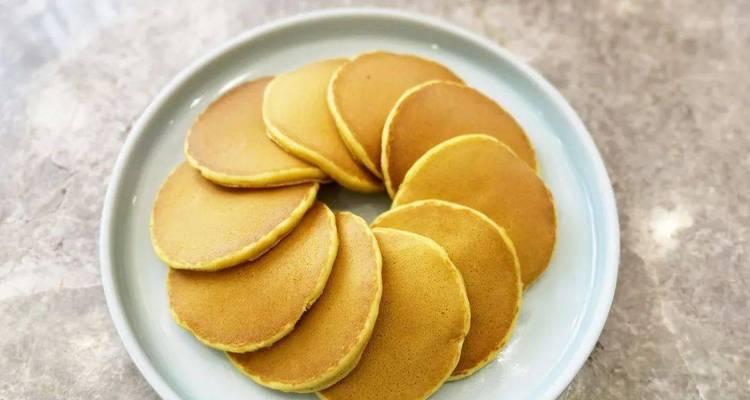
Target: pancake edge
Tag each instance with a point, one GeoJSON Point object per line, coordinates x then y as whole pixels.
{"type": "Point", "coordinates": [270, 179]}
{"type": "Point", "coordinates": [288, 327]}
{"type": "Point", "coordinates": [385, 141]}
{"type": "Point", "coordinates": [354, 146]}
{"type": "Point", "coordinates": [430, 154]}
{"type": "Point", "coordinates": [247, 253]}
{"type": "Point", "coordinates": [385, 137]}
{"type": "Point", "coordinates": [351, 359]}
{"type": "Point", "coordinates": [345, 179]}
{"type": "Point", "coordinates": [479, 136]}
{"type": "Point", "coordinates": [288, 176]}
{"type": "Point", "coordinates": [457, 375]}
{"type": "Point", "coordinates": [534, 280]}
{"type": "Point", "coordinates": [458, 344]}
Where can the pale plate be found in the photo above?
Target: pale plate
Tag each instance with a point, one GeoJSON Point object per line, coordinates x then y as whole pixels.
{"type": "Point", "coordinates": [563, 313]}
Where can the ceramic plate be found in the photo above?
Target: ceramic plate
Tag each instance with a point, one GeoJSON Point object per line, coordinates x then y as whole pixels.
{"type": "Point", "coordinates": [562, 314]}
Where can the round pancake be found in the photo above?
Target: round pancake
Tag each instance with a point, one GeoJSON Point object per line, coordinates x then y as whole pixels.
{"type": "Point", "coordinates": [480, 172]}
{"type": "Point", "coordinates": [201, 226]}
{"type": "Point", "coordinates": [424, 318]}
{"type": "Point", "coordinates": [228, 144]}
{"type": "Point", "coordinates": [329, 339]}
{"type": "Point", "coordinates": [364, 90]}
{"type": "Point", "coordinates": [484, 254]}
{"type": "Point", "coordinates": [257, 303]}
{"type": "Point", "coordinates": [296, 114]}
{"type": "Point", "coordinates": [436, 111]}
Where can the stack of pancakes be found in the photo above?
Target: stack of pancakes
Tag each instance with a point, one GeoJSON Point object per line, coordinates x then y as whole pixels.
{"type": "Point", "coordinates": [302, 299]}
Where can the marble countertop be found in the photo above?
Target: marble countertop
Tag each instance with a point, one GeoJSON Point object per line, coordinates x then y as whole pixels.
{"type": "Point", "coordinates": [662, 86]}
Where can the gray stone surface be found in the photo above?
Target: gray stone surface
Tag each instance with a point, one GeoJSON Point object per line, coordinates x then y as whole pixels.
{"type": "Point", "coordinates": [663, 87]}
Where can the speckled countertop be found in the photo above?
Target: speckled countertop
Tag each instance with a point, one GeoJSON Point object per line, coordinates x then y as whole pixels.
{"type": "Point", "coordinates": [662, 86]}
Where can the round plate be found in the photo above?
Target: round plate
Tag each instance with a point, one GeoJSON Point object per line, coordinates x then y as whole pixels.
{"type": "Point", "coordinates": [562, 314]}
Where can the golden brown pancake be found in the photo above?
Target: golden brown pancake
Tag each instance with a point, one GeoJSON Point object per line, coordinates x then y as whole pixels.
{"type": "Point", "coordinates": [484, 254]}
{"type": "Point", "coordinates": [423, 320]}
{"type": "Point", "coordinates": [257, 303]}
{"type": "Point", "coordinates": [481, 172]}
{"type": "Point", "coordinates": [436, 111]}
{"type": "Point", "coordinates": [296, 114]}
{"type": "Point", "coordinates": [329, 339]}
{"type": "Point", "coordinates": [364, 90]}
{"type": "Point", "coordinates": [201, 226]}
{"type": "Point", "coordinates": [229, 145]}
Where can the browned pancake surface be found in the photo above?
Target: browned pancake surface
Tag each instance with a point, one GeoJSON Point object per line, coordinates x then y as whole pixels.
{"type": "Point", "coordinates": [330, 337]}
{"type": "Point", "coordinates": [439, 111]}
{"type": "Point", "coordinates": [423, 320]}
{"type": "Point", "coordinates": [255, 304]}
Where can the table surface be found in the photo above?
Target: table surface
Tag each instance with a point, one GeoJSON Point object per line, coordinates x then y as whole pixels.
{"type": "Point", "coordinates": [662, 86]}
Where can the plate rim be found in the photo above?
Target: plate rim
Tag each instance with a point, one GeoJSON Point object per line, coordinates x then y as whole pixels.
{"type": "Point", "coordinates": [610, 218]}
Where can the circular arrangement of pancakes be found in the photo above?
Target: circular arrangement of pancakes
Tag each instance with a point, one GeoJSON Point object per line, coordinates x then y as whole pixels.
{"type": "Point", "coordinates": [329, 339]}
{"type": "Point", "coordinates": [486, 258]}
{"type": "Point", "coordinates": [304, 300]}
{"type": "Point", "coordinates": [198, 225]}
{"type": "Point", "coordinates": [480, 172]}
{"type": "Point", "coordinates": [254, 304]}
{"type": "Point", "coordinates": [424, 318]}
{"type": "Point", "coordinates": [228, 144]}
{"type": "Point", "coordinates": [296, 114]}
{"type": "Point", "coordinates": [364, 90]}
{"type": "Point", "coordinates": [433, 112]}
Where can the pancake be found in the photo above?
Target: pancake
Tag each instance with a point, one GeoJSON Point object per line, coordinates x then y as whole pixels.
{"type": "Point", "coordinates": [201, 226]}
{"type": "Point", "coordinates": [228, 144]}
{"type": "Point", "coordinates": [364, 90]}
{"type": "Point", "coordinates": [484, 254]}
{"type": "Point", "coordinates": [297, 117]}
{"type": "Point", "coordinates": [436, 111]}
{"type": "Point", "coordinates": [329, 339]}
{"type": "Point", "coordinates": [257, 303]}
{"type": "Point", "coordinates": [424, 318]}
{"type": "Point", "coordinates": [480, 172]}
